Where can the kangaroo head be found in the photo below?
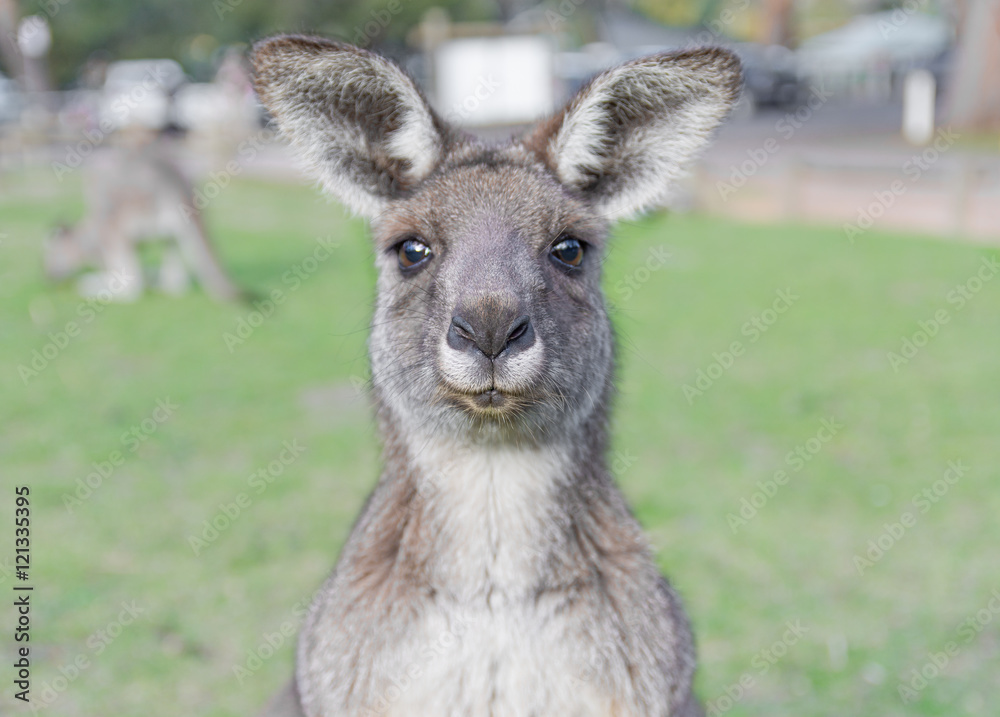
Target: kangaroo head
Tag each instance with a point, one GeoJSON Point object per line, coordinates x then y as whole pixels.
{"type": "Point", "coordinates": [490, 321]}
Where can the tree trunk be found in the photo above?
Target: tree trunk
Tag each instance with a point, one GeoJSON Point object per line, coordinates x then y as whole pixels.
{"type": "Point", "coordinates": [10, 55]}
{"type": "Point", "coordinates": [778, 24]}
{"type": "Point", "coordinates": [974, 89]}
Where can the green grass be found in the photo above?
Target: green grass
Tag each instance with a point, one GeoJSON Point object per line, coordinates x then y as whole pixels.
{"type": "Point", "coordinates": [687, 464]}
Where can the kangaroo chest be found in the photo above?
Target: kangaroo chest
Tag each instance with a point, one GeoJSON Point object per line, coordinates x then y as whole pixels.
{"type": "Point", "coordinates": [497, 646]}
{"type": "Point", "coordinates": [495, 632]}
{"type": "Point", "coordinates": [494, 663]}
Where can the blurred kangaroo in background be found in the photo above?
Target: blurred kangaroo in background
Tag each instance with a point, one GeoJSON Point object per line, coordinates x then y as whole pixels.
{"type": "Point", "coordinates": [133, 196]}
{"type": "Point", "coordinates": [496, 568]}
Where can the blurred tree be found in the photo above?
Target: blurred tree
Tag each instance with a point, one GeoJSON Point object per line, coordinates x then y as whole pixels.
{"type": "Point", "coordinates": [974, 89]}
{"type": "Point", "coordinates": [127, 29]}
{"type": "Point", "coordinates": [733, 18]}
{"type": "Point", "coordinates": [678, 13]}
{"type": "Point", "coordinates": [778, 23]}
{"type": "Point", "coordinates": [10, 56]}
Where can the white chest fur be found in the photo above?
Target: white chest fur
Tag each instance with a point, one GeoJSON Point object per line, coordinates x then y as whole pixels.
{"type": "Point", "coordinates": [488, 634]}
{"type": "Point", "coordinates": [492, 663]}
{"type": "Point", "coordinates": [492, 647]}
{"type": "Point", "coordinates": [494, 509]}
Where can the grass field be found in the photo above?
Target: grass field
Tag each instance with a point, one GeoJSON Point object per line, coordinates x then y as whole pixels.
{"type": "Point", "coordinates": [830, 442]}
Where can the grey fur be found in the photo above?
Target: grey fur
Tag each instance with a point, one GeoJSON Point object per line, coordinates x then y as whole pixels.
{"type": "Point", "coordinates": [496, 526]}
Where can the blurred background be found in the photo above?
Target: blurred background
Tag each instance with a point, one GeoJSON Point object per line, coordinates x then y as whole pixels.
{"type": "Point", "coordinates": [808, 420]}
{"type": "Point", "coordinates": [840, 86]}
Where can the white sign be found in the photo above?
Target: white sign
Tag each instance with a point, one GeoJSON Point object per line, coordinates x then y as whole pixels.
{"type": "Point", "coordinates": [494, 80]}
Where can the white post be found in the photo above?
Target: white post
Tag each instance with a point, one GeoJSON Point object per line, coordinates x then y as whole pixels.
{"type": "Point", "coordinates": [918, 107]}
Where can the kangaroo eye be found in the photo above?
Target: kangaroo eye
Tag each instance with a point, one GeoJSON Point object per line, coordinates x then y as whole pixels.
{"type": "Point", "coordinates": [413, 252]}
{"type": "Point", "coordinates": [568, 252]}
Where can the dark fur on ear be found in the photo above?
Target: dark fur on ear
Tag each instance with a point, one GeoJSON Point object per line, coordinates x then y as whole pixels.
{"type": "Point", "coordinates": [357, 118]}
{"type": "Point", "coordinates": [630, 131]}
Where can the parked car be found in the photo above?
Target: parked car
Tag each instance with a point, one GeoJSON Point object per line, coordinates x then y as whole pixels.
{"type": "Point", "coordinates": [770, 76]}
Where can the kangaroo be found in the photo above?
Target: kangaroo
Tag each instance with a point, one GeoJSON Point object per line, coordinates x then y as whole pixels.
{"type": "Point", "coordinates": [132, 196]}
{"type": "Point", "coordinates": [496, 569]}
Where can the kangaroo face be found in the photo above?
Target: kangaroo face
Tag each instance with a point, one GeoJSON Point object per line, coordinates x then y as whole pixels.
{"type": "Point", "coordinates": [490, 315]}
{"type": "Point", "coordinates": [490, 319]}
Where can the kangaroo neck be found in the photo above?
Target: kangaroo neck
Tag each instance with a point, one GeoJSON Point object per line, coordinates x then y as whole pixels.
{"type": "Point", "coordinates": [483, 519]}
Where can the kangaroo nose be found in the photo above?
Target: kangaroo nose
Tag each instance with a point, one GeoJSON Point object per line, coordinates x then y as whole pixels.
{"type": "Point", "coordinates": [491, 333]}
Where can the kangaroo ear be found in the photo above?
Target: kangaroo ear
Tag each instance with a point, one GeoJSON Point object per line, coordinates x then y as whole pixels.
{"type": "Point", "coordinates": [630, 132]}
{"type": "Point", "coordinates": [358, 119]}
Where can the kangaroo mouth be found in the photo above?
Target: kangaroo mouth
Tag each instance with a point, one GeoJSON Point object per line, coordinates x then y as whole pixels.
{"type": "Point", "coordinates": [493, 400]}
